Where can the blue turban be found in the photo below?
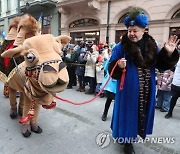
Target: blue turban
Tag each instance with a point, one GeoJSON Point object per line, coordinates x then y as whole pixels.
{"type": "Point", "coordinates": [140, 20]}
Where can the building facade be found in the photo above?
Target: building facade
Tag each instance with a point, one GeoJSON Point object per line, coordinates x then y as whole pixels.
{"type": "Point", "coordinates": [102, 20]}
{"type": "Point", "coordinates": [94, 20]}
{"type": "Point", "coordinates": [40, 9]}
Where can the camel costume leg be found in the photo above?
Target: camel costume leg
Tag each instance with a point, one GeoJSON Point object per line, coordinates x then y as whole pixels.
{"type": "Point", "coordinates": [34, 127]}
{"type": "Point", "coordinates": [14, 82]}
{"type": "Point", "coordinates": [26, 129]}
{"type": "Point", "coordinates": [30, 125]}
{"type": "Point", "coordinates": [13, 103]}
{"type": "Point", "coordinates": [21, 104]}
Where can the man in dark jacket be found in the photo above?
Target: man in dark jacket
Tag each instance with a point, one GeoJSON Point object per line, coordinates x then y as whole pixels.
{"type": "Point", "coordinates": [71, 59]}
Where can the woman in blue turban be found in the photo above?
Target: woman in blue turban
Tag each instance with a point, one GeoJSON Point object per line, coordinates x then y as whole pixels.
{"type": "Point", "coordinates": [138, 54]}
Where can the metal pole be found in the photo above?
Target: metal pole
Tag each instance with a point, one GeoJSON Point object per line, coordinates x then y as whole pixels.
{"type": "Point", "coordinates": [18, 8]}
{"type": "Point", "coordinates": [108, 16]}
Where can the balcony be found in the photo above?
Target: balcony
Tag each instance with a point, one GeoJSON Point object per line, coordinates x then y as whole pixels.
{"type": "Point", "coordinates": [66, 5]}
{"type": "Point", "coordinates": [35, 5]}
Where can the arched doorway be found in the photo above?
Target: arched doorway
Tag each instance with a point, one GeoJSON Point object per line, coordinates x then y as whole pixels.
{"type": "Point", "coordinates": [120, 33]}
{"type": "Point", "coordinates": [175, 30]}
{"type": "Point", "coordinates": [88, 35]}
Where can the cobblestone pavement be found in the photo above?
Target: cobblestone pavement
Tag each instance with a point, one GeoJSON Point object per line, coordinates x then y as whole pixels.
{"type": "Point", "coordinates": [70, 129]}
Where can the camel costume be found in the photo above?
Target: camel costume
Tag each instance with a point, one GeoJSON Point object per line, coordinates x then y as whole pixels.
{"type": "Point", "coordinates": [43, 75]}
{"type": "Point", "coordinates": [6, 67]}
{"type": "Point", "coordinates": [26, 27]}
{"type": "Point", "coordinates": [36, 90]}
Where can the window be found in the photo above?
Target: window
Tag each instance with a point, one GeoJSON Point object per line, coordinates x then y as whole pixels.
{"type": "Point", "coordinates": [0, 6]}
{"type": "Point", "coordinates": [8, 5]}
{"type": "Point", "coordinates": [92, 36]}
{"type": "Point", "coordinates": [176, 15]}
{"type": "Point", "coordinates": [84, 22]}
{"type": "Point", "coordinates": [46, 20]}
{"type": "Point", "coordinates": [121, 20]}
{"type": "Point", "coordinates": [175, 31]}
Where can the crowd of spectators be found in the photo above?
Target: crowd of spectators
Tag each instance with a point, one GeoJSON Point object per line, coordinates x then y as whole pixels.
{"type": "Point", "coordinates": [85, 64]}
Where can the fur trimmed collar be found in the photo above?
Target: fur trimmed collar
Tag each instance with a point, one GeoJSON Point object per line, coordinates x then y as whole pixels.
{"type": "Point", "coordinates": [145, 58]}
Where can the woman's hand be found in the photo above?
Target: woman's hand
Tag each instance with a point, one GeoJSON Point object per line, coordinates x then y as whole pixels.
{"type": "Point", "coordinates": [122, 63]}
{"type": "Point", "coordinates": [171, 44]}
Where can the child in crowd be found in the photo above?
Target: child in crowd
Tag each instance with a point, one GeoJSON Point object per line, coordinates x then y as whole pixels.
{"type": "Point", "coordinates": [110, 90]}
{"type": "Point", "coordinates": [164, 81]}
{"type": "Point", "coordinates": [99, 73]}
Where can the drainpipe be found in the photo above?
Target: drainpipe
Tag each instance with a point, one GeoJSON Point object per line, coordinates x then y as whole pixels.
{"type": "Point", "coordinates": [18, 8]}
{"type": "Point", "coordinates": [108, 16]}
{"type": "Point", "coordinates": [59, 23]}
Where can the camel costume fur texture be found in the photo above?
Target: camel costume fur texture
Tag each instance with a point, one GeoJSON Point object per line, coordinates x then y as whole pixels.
{"type": "Point", "coordinates": [43, 75]}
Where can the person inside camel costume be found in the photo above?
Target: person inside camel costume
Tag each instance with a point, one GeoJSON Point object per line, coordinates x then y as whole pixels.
{"type": "Point", "coordinates": [20, 28]}
{"type": "Point", "coordinates": [40, 76]}
{"type": "Point", "coordinates": [7, 65]}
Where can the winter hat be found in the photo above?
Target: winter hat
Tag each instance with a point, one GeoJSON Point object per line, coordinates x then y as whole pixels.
{"type": "Point", "coordinates": [83, 50]}
{"type": "Point", "coordinates": [106, 45]}
{"type": "Point", "coordinates": [136, 17]}
{"type": "Point", "coordinates": [100, 58]}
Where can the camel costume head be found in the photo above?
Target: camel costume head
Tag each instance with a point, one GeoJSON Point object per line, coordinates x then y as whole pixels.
{"type": "Point", "coordinates": [27, 28]}
{"type": "Point", "coordinates": [12, 31]}
{"type": "Point", "coordinates": [43, 61]}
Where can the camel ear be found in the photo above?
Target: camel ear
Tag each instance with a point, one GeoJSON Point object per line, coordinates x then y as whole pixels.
{"type": "Point", "coordinates": [12, 52]}
{"type": "Point", "coordinates": [63, 39]}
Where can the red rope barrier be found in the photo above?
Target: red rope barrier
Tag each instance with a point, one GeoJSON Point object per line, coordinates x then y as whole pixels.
{"type": "Point", "coordinates": [24, 120]}
{"type": "Point", "coordinates": [88, 101]}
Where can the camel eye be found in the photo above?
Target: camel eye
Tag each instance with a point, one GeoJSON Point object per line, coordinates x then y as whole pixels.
{"type": "Point", "coordinates": [30, 57]}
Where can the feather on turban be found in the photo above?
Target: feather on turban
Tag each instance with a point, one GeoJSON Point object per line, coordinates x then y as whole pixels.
{"type": "Point", "coordinates": [136, 17]}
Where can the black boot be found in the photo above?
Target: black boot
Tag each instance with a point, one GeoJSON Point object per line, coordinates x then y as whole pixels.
{"type": "Point", "coordinates": [26, 130]}
{"type": "Point", "coordinates": [172, 105]}
{"type": "Point", "coordinates": [35, 128]}
{"type": "Point", "coordinates": [168, 115]}
{"type": "Point", "coordinates": [13, 113]}
{"type": "Point", "coordinates": [104, 116]}
{"type": "Point", "coordinates": [128, 148]}
{"type": "Point", "coordinates": [106, 108]}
